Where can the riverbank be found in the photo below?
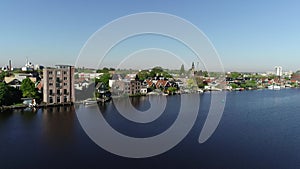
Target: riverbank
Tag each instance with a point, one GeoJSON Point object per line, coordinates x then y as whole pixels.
{"type": "Point", "coordinates": [42, 105]}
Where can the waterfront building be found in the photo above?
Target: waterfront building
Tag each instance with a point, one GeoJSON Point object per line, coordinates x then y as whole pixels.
{"type": "Point", "coordinates": [58, 84]}
{"type": "Point", "coordinates": [135, 87]}
{"type": "Point", "coordinates": [296, 77]}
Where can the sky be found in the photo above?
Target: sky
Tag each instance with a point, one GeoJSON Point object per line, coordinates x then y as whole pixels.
{"type": "Point", "coordinates": [250, 36]}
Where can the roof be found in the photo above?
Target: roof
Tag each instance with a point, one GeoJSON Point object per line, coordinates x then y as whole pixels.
{"type": "Point", "coordinates": [14, 82]}
{"type": "Point", "coordinates": [19, 78]}
{"type": "Point", "coordinates": [149, 82]}
{"type": "Point", "coordinates": [117, 77]}
{"type": "Point", "coordinates": [161, 83]}
{"type": "Point", "coordinates": [40, 85]}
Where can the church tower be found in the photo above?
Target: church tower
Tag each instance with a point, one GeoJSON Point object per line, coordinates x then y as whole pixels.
{"type": "Point", "coordinates": [193, 70]}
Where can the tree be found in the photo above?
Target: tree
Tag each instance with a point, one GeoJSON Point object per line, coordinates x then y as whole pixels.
{"type": "Point", "coordinates": [191, 83]}
{"type": "Point", "coordinates": [144, 74]}
{"type": "Point", "coordinates": [272, 76]}
{"type": "Point", "coordinates": [171, 90]}
{"type": "Point", "coordinates": [205, 74]}
{"type": "Point", "coordinates": [104, 70]}
{"type": "Point", "coordinates": [3, 75]}
{"type": "Point", "coordinates": [9, 95]}
{"type": "Point", "coordinates": [251, 84]}
{"type": "Point", "coordinates": [104, 79]}
{"type": "Point", "coordinates": [234, 86]}
{"type": "Point", "coordinates": [28, 89]}
{"type": "Point", "coordinates": [234, 75]}
{"type": "Point", "coordinates": [200, 82]}
{"type": "Point", "coordinates": [3, 93]}
{"type": "Point", "coordinates": [182, 71]}
{"type": "Point", "coordinates": [166, 75]}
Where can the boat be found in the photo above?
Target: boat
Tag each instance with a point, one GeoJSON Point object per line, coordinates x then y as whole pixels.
{"type": "Point", "coordinates": [200, 91]}
{"type": "Point", "coordinates": [89, 102]}
{"type": "Point", "coordinates": [274, 87]}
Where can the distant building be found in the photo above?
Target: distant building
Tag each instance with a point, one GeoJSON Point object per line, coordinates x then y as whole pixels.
{"type": "Point", "coordinates": [28, 66]}
{"type": "Point", "coordinates": [16, 80]}
{"type": "Point", "coordinates": [135, 87]}
{"type": "Point", "coordinates": [296, 77]}
{"type": "Point", "coordinates": [193, 70]}
{"type": "Point", "coordinates": [58, 84]}
{"type": "Point", "coordinates": [278, 71]}
{"type": "Point", "coordinates": [127, 87]}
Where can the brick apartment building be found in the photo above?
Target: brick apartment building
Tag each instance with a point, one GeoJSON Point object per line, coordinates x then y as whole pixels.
{"type": "Point", "coordinates": [58, 84]}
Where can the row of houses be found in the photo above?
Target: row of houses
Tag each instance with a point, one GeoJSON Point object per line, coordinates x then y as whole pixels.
{"type": "Point", "coordinates": [131, 85]}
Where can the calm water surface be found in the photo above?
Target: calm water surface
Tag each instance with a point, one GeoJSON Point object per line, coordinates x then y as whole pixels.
{"type": "Point", "coordinates": [259, 129]}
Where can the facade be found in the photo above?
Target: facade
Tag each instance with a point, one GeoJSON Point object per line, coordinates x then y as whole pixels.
{"type": "Point", "coordinates": [296, 77]}
{"type": "Point", "coordinates": [143, 90]}
{"type": "Point", "coordinates": [135, 87]}
{"type": "Point", "coordinates": [58, 84]}
{"type": "Point", "coordinates": [126, 87]}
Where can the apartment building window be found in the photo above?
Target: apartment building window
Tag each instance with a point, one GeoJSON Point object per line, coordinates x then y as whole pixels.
{"type": "Point", "coordinates": [57, 82]}
{"type": "Point", "coordinates": [50, 84]}
{"type": "Point", "coordinates": [65, 84]}
{"type": "Point", "coordinates": [50, 92]}
{"type": "Point", "coordinates": [65, 99]}
{"type": "Point", "coordinates": [58, 73]}
{"type": "Point", "coordinates": [58, 91]}
{"type": "Point", "coordinates": [65, 72]}
{"type": "Point", "coordinates": [65, 91]}
{"type": "Point", "coordinates": [50, 72]}
{"type": "Point", "coordinates": [65, 78]}
{"type": "Point", "coordinates": [50, 78]}
{"type": "Point", "coordinates": [58, 99]}
{"type": "Point", "coordinates": [50, 99]}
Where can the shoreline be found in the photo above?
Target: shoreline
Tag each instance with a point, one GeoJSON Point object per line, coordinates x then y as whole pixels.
{"type": "Point", "coordinates": [14, 107]}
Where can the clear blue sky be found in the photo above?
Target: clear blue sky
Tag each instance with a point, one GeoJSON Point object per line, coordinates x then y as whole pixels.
{"type": "Point", "coordinates": [248, 35]}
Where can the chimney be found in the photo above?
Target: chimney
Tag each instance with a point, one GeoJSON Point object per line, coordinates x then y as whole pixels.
{"type": "Point", "coordinates": [9, 63]}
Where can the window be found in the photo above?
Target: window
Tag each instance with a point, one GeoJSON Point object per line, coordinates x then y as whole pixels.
{"type": "Point", "coordinates": [50, 92]}
{"type": "Point", "coordinates": [50, 84]}
{"type": "Point", "coordinates": [51, 100]}
{"type": "Point", "coordinates": [65, 99]}
{"type": "Point", "coordinates": [50, 72]}
{"type": "Point", "coordinates": [58, 72]}
{"type": "Point", "coordinates": [58, 92]}
{"type": "Point", "coordinates": [65, 78]}
{"type": "Point", "coordinates": [65, 91]}
{"type": "Point", "coordinates": [50, 78]}
{"type": "Point", "coordinates": [58, 99]}
{"type": "Point", "coordinates": [65, 72]}
{"type": "Point", "coordinates": [65, 84]}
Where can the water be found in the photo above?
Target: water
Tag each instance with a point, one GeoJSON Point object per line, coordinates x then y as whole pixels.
{"type": "Point", "coordinates": [259, 129]}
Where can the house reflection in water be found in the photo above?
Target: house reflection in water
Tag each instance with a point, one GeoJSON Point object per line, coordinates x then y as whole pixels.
{"type": "Point", "coordinates": [58, 125]}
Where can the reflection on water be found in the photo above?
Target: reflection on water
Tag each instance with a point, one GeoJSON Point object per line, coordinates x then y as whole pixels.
{"type": "Point", "coordinates": [259, 129]}
{"type": "Point", "coordinates": [58, 124]}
